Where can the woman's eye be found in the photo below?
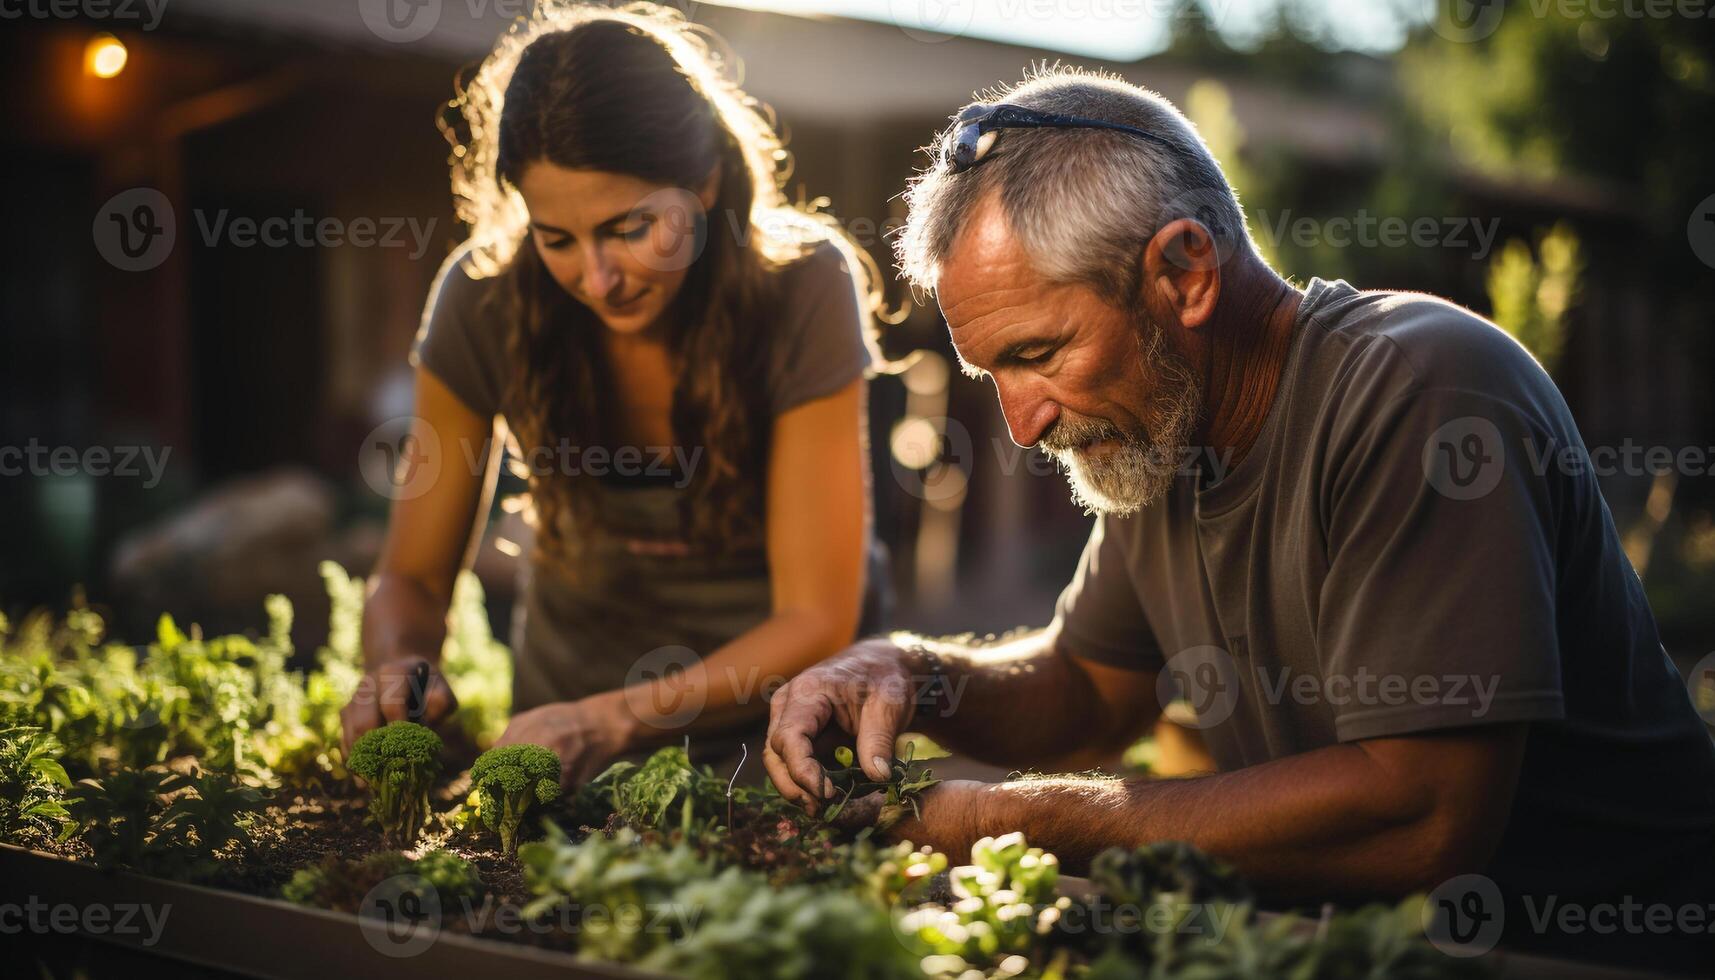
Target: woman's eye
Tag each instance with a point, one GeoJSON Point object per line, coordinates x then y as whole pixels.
{"type": "Point", "coordinates": [556, 244]}
{"type": "Point", "coordinates": [634, 232]}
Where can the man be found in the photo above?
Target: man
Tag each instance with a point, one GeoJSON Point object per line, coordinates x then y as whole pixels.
{"type": "Point", "coordinates": [1414, 655]}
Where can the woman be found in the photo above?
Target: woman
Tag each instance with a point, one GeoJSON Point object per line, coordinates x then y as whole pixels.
{"type": "Point", "coordinates": [678, 356]}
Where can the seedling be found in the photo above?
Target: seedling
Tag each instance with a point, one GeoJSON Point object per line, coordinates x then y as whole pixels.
{"type": "Point", "coordinates": [400, 762]}
{"type": "Point", "coordinates": [509, 780]}
{"type": "Point", "coordinates": [901, 789]}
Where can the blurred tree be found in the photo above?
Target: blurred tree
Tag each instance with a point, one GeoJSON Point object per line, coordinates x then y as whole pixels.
{"type": "Point", "coordinates": [1530, 294]}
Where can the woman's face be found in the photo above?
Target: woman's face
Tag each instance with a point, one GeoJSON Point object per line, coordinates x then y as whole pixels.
{"type": "Point", "coordinates": [618, 244]}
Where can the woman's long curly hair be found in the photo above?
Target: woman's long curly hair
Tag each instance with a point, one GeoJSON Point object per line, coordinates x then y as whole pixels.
{"type": "Point", "coordinates": [638, 91]}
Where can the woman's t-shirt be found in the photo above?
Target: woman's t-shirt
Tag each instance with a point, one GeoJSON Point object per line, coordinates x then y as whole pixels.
{"type": "Point", "coordinates": [636, 600]}
{"type": "Point", "coordinates": [819, 347]}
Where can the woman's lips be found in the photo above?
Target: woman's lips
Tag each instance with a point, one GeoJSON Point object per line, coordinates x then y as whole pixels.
{"type": "Point", "coordinates": [626, 305]}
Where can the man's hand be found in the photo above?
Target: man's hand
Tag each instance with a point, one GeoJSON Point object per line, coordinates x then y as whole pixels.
{"type": "Point", "coordinates": [587, 734]}
{"type": "Point", "coordinates": [867, 689]}
{"type": "Point", "coordinates": [387, 692]}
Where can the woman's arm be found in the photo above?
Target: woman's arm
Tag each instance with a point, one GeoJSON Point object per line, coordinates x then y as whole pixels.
{"type": "Point", "coordinates": [431, 532]}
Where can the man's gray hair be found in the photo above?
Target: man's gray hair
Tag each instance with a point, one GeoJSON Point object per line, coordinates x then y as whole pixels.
{"type": "Point", "coordinates": [1083, 202]}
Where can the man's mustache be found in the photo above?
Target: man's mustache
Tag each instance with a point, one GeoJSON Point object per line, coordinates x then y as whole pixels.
{"type": "Point", "coordinates": [1072, 432]}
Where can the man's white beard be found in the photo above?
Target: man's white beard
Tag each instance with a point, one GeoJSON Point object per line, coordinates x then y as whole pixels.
{"type": "Point", "coordinates": [1142, 466]}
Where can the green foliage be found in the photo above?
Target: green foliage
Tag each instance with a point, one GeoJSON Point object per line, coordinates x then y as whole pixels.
{"type": "Point", "coordinates": [400, 762]}
{"type": "Point", "coordinates": [32, 786]}
{"type": "Point", "coordinates": [509, 779]}
{"type": "Point", "coordinates": [1006, 903]}
{"type": "Point", "coordinates": [644, 796]}
{"type": "Point", "coordinates": [905, 783]}
{"type": "Point", "coordinates": [165, 823]}
{"type": "Point", "coordinates": [1529, 295]}
{"type": "Point", "coordinates": [338, 882]}
{"type": "Point", "coordinates": [230, 700]}
{"type": "Point", "coordinates": [667, 909]}
{"type": "Point", "coordinates": [476, 665]}
{"type": "Point", "coordinates": [1165, 868]}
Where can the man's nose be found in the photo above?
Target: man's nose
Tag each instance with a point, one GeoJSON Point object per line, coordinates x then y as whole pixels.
{"type": "Point", "coordinates": [1028, 413]}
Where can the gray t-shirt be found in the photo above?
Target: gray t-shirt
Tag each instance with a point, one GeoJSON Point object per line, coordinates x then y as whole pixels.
{"type": "Point", "coordinates": [637, 596]}
{"type": "Point", "coordinates": [1404, 550]}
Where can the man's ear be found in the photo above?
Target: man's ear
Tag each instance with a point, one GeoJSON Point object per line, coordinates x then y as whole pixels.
{"type": "Point", "coordinates": [1182, 273]}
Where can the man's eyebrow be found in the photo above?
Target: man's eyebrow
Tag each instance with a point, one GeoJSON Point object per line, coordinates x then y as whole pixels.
{"type": "Point", "coordinates": [968, 369]}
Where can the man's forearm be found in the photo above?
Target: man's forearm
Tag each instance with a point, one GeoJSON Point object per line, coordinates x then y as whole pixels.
{"type": "Point", "coordinates": [1017, 703]}
{"type": "Point", "coordinates": [1331, 823]}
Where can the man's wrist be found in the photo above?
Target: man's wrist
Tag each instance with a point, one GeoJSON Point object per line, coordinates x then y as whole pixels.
{"type": "Point", "coordinates": [928, 673]}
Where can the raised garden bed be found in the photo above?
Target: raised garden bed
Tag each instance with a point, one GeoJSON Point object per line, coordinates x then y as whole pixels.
{"type": "Point", "coordinates": [213, 789]}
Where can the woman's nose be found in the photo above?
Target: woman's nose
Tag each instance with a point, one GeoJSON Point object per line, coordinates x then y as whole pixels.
{"type": "Point", "coordinates": [600, 275]}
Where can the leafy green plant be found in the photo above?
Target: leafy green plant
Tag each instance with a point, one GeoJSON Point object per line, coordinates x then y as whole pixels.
{"type": "Point", "coordinates": [161, 822]}
{"type": "Point", "coordinates": [338, 882]}
{"type": "Point", "coordinates": [905, 783]}
{"type": "Point", "coordinates": [125, 818]}
{"type": "Point", "coordinates": [400, 762]}
{"type": "Point", "coordinates": [476, 665]}
{"type": "Point", "coordinates": [698, 921]}
{"type": "Point", "coordinates": [32, 786]}
{"type": "Point", "coordinates": [215, 812]}
{"type": "Point", "coordinates": [509, 779]}
{"type": "Point", "coordinates": [1005, 903]}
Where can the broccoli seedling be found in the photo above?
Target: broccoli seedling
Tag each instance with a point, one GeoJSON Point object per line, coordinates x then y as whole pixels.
{"type": "Point", "coordinates": [399, 761]}
{"type": "Point", "coordinates": [510, 778]}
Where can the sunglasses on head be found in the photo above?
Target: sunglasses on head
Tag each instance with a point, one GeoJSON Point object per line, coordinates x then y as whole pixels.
{"type": "Point", "coordinates": [977, 127]}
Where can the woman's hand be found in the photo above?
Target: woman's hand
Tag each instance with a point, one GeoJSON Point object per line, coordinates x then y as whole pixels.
{"type": "Point", "coordinates": [389, 691]}
{"type": "Point", "coordinates": [588, 734]}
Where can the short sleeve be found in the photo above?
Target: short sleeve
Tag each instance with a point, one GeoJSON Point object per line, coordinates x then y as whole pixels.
{"type": "Point", "coordinates": [820, 346]}
{"type": "Point", "coordinates": [461, 340]}
{"type": "Point", "coordinates": [1439, 599]}
{"type": "Point", "coordinates": [1099, 616]}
